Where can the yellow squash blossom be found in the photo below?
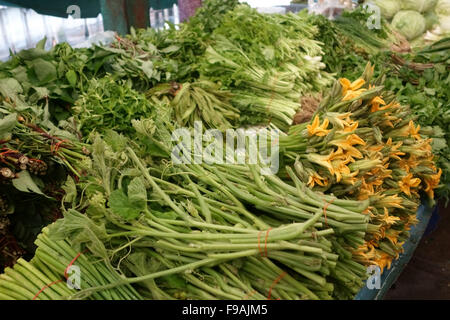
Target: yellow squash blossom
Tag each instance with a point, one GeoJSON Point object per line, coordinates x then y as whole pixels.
{"type": "Point", "coordinates": [366, 190]}
{"type": "Point", "coordinates": [383, 261]}
{"type": "Point", "coordinates": [351, 90]}
{"type": "Point", "coordinates": [381, 173]}
{"type": "Point", "coordinates": [376, 103]}
{"type": "Point", "coordinates": [322, 160]}
{"type": "Point", "coordinates": [317, 179]}
{"type": "Point", "coordinates": [414, 131]}
{"type": "Point", "coordinates": [393, 201]}
{"type": "Point", "coordinates": [337, 155]}
{"type": "Point", "coordinates": [387, 219]}
{"type": "Point", "coordinates": [347, 145]}
{"type": "Point", "coordinates": [393, 238]}
{"type": "Point", "coordinates": [407, 164]}
{"type": "Point", "coordinates": [395, 153]}
{"type": "Point", "coordinates": [351, 127]}
{"type": "Point", "coordinates": [375, 148]}
{"type": "Point", "coordinates": [315, 128]}
{"type": "Point", "coordinates": [389, 119]}
{"type": "Point", "coordinates": [432, 182]}
{"type": "Point", "coordinates": [365, 251]}
{"type": "Point", "coordinates": [407, 183]}
{"type": "Point", "coordinates": [412, 219]}
{"type": "Point", "coordinates": [344, 122]}
{"type": "Point", "coordinates": [340, 119]}
{"type": "Point", "coordinates": [350, 178]}
{"type": "Point", "coordinates": [340, 168]}
{"type": "Point", "coordinates": [349, 124]}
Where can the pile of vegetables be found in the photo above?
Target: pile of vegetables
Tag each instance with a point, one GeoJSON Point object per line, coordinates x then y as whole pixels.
{"type": "Point", "coordinates": [419, 77]}
{"type": "Point", "coordinates": [142, 226]}
{"type": "Point", "coordinates": [36, 157]}
{"type": "Point", "coordinates": [412, 18]}
{"type": "Point", "coordinates": [364, 145]}
{"type": "Point", "coordinates": [262, 63]}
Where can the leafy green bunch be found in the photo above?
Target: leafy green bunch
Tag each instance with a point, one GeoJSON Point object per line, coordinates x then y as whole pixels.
{"type": "Point", "coordinates": [110, 103]}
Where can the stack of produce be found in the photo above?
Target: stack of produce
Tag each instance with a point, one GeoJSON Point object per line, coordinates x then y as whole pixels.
{"type": "Point", "coordinates": [199, 231]}
{"type": "Point", "coordinates": [268, 62]}
{"type": "Point", "coordinates": [419, 78]}
{"type": "Point", "coordinates": [142, 226]}
{"type": "Point", "coordinates": [364, 145]}
{"type": "Point", "coordinates": [35, 159]}
{"type": "Point", "coordinates": [263, 63]}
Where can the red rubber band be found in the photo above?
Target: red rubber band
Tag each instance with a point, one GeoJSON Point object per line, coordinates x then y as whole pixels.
{"type": "Point", "coordinates": [46, 287]}
{"type": "Point", "coordinates": [57, 146]}
{"type": "Point", "coordinates": [65, 275]}
{"type": "Point", "coordinates": [70, 264]}
{"type": "Point", "coordinates": [274, 283]}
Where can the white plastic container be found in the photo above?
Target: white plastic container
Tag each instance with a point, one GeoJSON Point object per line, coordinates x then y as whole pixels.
{"type": "Point", "coordinates": [330, 8]}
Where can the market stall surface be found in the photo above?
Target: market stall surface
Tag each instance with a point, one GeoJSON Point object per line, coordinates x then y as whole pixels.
{"type": "Point", "coordinates": [427, 275]}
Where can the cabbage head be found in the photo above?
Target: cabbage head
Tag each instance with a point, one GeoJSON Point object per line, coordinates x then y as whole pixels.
{"type": "Point", "coordinates": [443, 8]}
{"type": "Point", "coordinates": [410, 24]}
{"type": "Point", "coordinates": [388, 8]}
{"type": "Point", "coordinates": [418, 5]}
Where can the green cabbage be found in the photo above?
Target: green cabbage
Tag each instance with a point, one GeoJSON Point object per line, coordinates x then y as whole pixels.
{"type": "Point", "coordinates": [418, 5]}
{"type": "Point", "coordinates": [443, 8]}
{"type": "Point", "coordinates": [410, 24]}
{"type": "Point", "coordinates": [388, 8]}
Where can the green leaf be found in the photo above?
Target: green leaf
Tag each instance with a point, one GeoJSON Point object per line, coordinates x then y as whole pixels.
{"type": "Point", "coordinates": [39, 94]}
{"type": "Point", "coordinates": [149, 70]}
{"type": "Point", "coordinates": [41, 44]}
{"type": "Point", "coordinates": [31, 54]}
{"type": "Point", "coordinates": [170, 49]}
{"type": "Point", "coordinates": [115, 140]}
{"type": "Point", "coordinates": [70, 189]}
{"type": "Point", "coordinates": [71, 76]}
{"type": "Point", "coordinates": [438, 132]}
{"type": "Point", "coordinates": [25, 183]}
{"type": "Point", "coordinates": [438, 144]}
{"type": "Point", "coordinates": [44, 70]}
{"type": "Point", "coordinates": [137, 193]}
{"type": "Point", "coordinates": [175, 281]}
{"type": "Point", "coordinates": [10, 88]}
{"type": "Point", "coordinates": [6, 126]}
{"type": "Point", "coordinates": [122, 206]}
{"type": "Point", "coordinates": [20, 74]}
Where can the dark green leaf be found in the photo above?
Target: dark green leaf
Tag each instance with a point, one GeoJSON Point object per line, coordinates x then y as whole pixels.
{"type": "Point", "coordinates": [71, 76]}
{"type": "Point", "coordinates": [124, 207]}
{"type": "Point", "coordinates": [45, 71]}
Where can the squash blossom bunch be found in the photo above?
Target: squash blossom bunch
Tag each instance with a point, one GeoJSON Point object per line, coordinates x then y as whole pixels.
{"type": "Point", "coordinates": [363, 145]}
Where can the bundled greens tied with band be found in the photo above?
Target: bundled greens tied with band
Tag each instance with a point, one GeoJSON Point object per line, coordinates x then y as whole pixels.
{"type": "Point", "coordinates": [94, 142]}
